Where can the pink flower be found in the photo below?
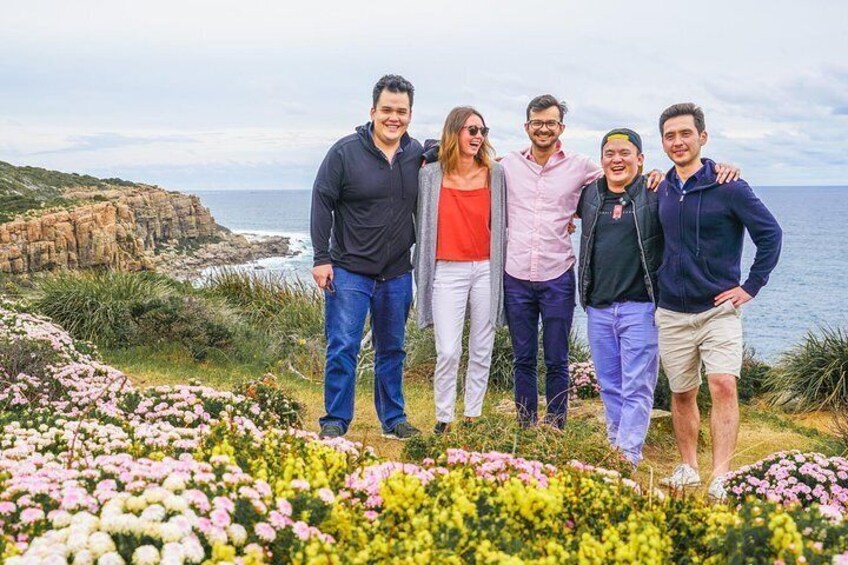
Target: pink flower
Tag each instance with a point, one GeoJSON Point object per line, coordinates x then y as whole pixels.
{"type": "Point", "coordinates": [265, 532]}
{"type": "Point", "coordinates": [220, 518]}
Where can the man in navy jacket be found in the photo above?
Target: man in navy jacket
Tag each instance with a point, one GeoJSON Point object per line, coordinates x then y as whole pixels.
{"type": "Point", "coordinates": [362, 228]}
{"type": "Point", "coordinates": [700, 295]}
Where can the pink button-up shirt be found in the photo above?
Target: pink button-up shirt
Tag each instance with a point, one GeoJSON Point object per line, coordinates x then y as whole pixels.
{"type": "Point", "coordinates": [540, 203]}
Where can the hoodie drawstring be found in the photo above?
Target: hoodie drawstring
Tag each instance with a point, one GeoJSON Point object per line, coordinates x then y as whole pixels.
{"type": "Point", "coordinates": [698, 226]}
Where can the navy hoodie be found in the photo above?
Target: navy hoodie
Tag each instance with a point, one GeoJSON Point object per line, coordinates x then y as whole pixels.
{"type": "Point", "coordinates": [363, 207]}
{"type": "Point", "coordinates": [704, 225]}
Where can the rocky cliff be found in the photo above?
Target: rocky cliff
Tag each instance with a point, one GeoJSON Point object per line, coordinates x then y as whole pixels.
{"type": "Point", "coordinates": [117, 228]}
{"type": "Point", "coordinates": [51, 220]}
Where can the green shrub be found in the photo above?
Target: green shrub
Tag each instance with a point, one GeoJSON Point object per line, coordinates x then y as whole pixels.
{"type": "Point", "coordinates": [583, 439]}
{"type": "Point", "coordinates": [288, 317]}
{"type": "Point", "coordinates": [813, 374]}
{"type": "Point", "coordinates": [100, 306]}
{"type": "Point", "coordinates": [273, 399]}
{"type": "Point", "coordinates": [117, 309]}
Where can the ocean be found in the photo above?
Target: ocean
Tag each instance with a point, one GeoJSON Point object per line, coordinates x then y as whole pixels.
{"type": "Point", "coordinates": [807, 290]}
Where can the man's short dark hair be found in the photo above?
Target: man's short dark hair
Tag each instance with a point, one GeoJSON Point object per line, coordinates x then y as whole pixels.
{"type": "Point", "coordinates": [544, 102]}
{"type": "Point", "coordinates": [684, 109]}
{"type": "Point", "coordinates": [393, 83]}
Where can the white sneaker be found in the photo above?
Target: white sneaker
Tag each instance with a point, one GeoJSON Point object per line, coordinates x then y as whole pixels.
{"type": "Point", "coordinates": [717, 490]}
{"type": "Point", "coordinates": [683, 476]}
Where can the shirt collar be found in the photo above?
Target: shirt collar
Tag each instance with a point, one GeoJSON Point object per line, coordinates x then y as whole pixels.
{"type": "Point", "coordinates": [528, 153]}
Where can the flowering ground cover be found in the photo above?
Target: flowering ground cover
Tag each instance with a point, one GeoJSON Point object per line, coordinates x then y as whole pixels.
{"type": "Point", "coordinates": [94, 470]}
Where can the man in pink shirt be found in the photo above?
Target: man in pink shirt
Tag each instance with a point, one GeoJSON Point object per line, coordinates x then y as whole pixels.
{"type": "Point", "coordinates": [543, 188]}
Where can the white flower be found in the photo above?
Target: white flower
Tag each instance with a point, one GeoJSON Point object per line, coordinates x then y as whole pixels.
{"type": "Point", "coordinates": [155, 495]}
{"type": "Point", "coordinates": [83, 558]}
{"type": "Point", "coordinates": [135, 504]}
{"type": "Point", "coordinates": [170, 532]}
{"type": "Point", "coordinates": [145, 555]}
{"type": "Point", "coordinates": [175, 503]}
{"type": "Point", "coordinates": [60, 518]}
{"type": "Point", "coordinates": [237, 534]}
{"type": "Point", "coordinates": [174, 483]}
{"type": "Point", "coordinates": [154, 513]}
{"type": "Point", "coordinates": [173, 552]}
{"type": "Point", "coordinates": [111, 558]}
{"type": "Point", "coordinates": [193, 550]}
{"type": "Point", "coordinates": [100, 543]}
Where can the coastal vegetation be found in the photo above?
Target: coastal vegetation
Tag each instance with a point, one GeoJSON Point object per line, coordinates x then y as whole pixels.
{"type": "Point", "coordinates": [159, 421]}
{"type": "Point", "coordinates": [813, 374]}
{"type": "Point", "coordinates": [31, 188]}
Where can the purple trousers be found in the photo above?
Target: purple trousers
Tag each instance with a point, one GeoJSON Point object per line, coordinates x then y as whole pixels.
{"type": "Point", "coordinates": [623, 339]}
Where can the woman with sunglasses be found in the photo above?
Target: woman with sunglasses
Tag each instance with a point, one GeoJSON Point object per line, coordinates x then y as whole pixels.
{"type": "Point", "coordinates": [459, 258]}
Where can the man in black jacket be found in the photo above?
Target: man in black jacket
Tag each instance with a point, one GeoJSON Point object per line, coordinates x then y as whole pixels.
{"type": "Point", "coordinates": [362, 229]}
{"type": "Point", "coordinates": [620, 252]}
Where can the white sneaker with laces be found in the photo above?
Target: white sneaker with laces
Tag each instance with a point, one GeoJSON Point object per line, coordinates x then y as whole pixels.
{"type": "Point", "coordinates": [717, 490]}
{"type": "Point", "coordinates": [683, 476]}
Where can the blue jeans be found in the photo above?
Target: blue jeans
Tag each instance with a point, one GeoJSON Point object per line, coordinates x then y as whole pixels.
{"type": "Point", "coordinates": [525, 302]}
{"type": "Point", "coordinates": [345, 311]}
{"type": "Point", "coordinates": [623, 338]}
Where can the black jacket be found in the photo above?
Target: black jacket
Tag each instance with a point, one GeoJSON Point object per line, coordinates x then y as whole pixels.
{"type": "Point", "coordinates": [646, 216]}
{"type": "Point", "coordinates": [363, 207]}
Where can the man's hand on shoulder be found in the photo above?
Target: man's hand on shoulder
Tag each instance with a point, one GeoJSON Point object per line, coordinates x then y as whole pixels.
{"type": "Point", "coordinates": [737, 296]}
{"type": "Point", "coordinates": [323, 275]}
{"type": "Point", "coordinates": [654, 178]}
{"type": "Point", "coordinates": [727, 173]}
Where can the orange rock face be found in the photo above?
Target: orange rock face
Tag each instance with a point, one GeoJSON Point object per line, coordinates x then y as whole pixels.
{"type": "Point", "coordinates": [121, 232]}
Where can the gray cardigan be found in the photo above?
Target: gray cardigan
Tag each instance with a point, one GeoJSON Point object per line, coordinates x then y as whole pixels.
{"type": "Point", "coordinates": [429, 187]}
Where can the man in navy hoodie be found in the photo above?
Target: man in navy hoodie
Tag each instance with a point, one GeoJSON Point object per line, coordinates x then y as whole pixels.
{"type": "Point", "coordinates": [362, 228]}
{"type": "Point", "coordinates": [700, 295]}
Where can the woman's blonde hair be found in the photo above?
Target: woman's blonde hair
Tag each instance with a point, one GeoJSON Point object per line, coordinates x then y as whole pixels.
{"type": "Point", "coordinates": [449, 146]}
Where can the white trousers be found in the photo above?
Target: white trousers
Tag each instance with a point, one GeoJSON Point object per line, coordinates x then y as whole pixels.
{"type": "Point", "coordinates": [456, 284]}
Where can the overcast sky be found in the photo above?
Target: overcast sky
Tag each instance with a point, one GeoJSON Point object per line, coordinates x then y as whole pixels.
{"type": "Point", "coordinates": [206, 94]}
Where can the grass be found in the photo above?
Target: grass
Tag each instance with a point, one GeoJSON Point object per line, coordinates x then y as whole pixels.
{"type": "Point", "coordinates": [762, 431]}
{"type": "Point", "coordinates": [813, 374]}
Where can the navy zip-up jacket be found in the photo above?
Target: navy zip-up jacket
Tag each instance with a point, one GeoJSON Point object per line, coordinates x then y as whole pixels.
{"type": "Point", "coordinates": [363, 207]}
{"type": "Point", "coordinates": [704, 225]}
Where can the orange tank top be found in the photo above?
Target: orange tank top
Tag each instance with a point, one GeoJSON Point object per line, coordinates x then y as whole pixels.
{"type": "Point", "coordinates": [463, 232]}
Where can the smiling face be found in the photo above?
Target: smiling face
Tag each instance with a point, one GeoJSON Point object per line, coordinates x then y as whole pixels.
{"type": "Point", "coordinates": [391, 117]}
{"type": "Point", "coordinates": [621, 162]}
{"type": "Point", "coordinates": [469, 145]}
{"type": "Point", "coordinates": [543, 138]}
{"type": "Point", "coordinates": [682, 142]}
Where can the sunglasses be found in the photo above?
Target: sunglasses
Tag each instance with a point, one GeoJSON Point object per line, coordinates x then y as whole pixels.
{"type": "Point", "coordinates": [474, 130]}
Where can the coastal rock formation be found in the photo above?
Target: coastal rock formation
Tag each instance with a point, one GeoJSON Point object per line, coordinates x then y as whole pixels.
{"type": "Point", "coordinates": [119, 228]}
{"type": "Point", "coordinates": [230, 249]}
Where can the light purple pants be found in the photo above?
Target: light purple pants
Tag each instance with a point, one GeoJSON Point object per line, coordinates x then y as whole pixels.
{"type": "Point", "coordinates": [623, 339]}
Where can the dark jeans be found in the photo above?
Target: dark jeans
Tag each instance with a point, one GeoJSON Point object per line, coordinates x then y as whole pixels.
{"type": "Point", "coordinates": [525, 303]}
{"type": "Point", "coordinates": [345, 311]}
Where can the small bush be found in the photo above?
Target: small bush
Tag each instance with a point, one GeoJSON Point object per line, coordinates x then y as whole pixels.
{"type": "Point", "coordinates": [814, 374]}
{"type": "Point", "coordinates": [583, 439]}
{"type": "Point", "coordinates": [117, 309]}
{"type": "Point", "coordinates": [23, 359]}
{"type": "Point", "coordinates": [273, 399]}
{"type": "Point", "coordinates": [287, 317]}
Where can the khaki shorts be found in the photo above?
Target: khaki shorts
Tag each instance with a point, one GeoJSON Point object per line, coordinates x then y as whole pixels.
{"type": "Point", "coordinates": [713, 338]}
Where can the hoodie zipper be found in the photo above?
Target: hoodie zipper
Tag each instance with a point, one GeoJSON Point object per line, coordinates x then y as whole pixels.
{"type": "Point", "coordinates": [682, 248]}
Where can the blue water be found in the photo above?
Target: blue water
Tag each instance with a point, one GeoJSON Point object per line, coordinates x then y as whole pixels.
{"type": "Point", "coordinates": [808, 289]}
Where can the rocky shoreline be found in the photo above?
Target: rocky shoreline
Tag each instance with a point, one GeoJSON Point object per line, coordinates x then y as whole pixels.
{"type": "Point", "coordinates": [226, 249]}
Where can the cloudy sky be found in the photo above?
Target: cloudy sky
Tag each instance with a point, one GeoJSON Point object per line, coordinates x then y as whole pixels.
{"type": "Point", "coordinates": [206, 94]}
